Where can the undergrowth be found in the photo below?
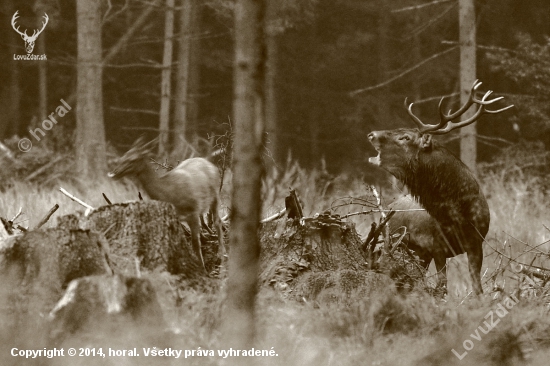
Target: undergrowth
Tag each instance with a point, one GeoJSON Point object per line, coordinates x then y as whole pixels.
{"type": "Point", "coordinates": [385, 329]}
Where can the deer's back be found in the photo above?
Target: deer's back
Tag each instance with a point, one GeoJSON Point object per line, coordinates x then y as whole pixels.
{"type": "Point", "coordinates": [191, 186]}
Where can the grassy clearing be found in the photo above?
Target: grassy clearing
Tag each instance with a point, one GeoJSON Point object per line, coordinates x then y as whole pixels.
{"type": "Point", "coordinates": [381, 330]}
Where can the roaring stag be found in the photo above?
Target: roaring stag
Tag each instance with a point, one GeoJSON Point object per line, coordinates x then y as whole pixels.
{"type": "Point", "coordinates": [440, 182]}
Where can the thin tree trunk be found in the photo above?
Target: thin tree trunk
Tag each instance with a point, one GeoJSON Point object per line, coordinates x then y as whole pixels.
{"type": "Point", "coordinates": [186, 108]}
{"type": "Point", "coordinates": [468, 143]}
{"type": "Point", "coordinates": [193, 87]}
{"type": "Point", "coordinates": [270, 83]}
{"type": "Point", "coordinates": [384, 28]}
{"type": "Point", "coordinates": [165, 84]}
{"type": "Point", "coordinates": [42, 79]}
{"type": "Point", "coordinates": [135, 27]}
{"type": "Point", "coordinates": [314, 148]}
{"type": "Point", "coordinates": [90, 131]}
{"type": "Point", "coordinates": [238, 321]}
{"type": "Point", "coordinates": [10, 98]}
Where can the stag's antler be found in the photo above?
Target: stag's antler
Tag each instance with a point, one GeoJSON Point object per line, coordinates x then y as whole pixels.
{"type": "Point", "coordinates": [445, 124]}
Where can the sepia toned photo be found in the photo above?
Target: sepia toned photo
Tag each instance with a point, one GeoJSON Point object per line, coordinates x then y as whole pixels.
{"type": "Point", "coordinates": [274, 182]}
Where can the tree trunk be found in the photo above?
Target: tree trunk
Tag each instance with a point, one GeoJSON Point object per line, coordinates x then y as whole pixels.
{"type": "Point", "coordinates": [165, 84]}
{"type": "Point", "coordinates": [384, 49]}
{"type": "Point", "coordinates": [42, 79]}
{"type": "Point", "coordinates": [270, 83]}
{"type": "Point", "coordinates": [467, 23]}
{"type": "Point", "coordinates": [123, 41]}
{"type": "Point", "coordinates": [90, 131]}
{"type": "Point", "coordinates": [193, 87]}
{"type": "Point", "coordinates": [10, 97]}
{"type": "Point", "coordinates": [188, 77]}
{"type": "Point", "coordinates": [238, 321]}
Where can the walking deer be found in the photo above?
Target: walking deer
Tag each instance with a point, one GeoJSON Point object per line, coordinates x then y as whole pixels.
{"type": "Point", "coordinates": [191, 187]}
{"type": "Point", "coordinates": [440, 182]}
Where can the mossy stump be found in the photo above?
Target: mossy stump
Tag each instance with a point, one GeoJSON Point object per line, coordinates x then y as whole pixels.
{"type": "Point", "coordinates": [104, 304]}
{"type": "Point", "coordinates": [317, 259]}
{"type": "Point", "coordinates": [148, 233]}
{"type": "Point", "coordinates": [38, 265]}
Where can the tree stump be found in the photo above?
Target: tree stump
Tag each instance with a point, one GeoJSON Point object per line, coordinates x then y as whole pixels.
{"type": "Point", "coordinates": [103, 304]}
{"type": "Point", "coordinates": [146, 231]}
{"type": "Point", "coordinates": [318, 259]}
{"type": "Point", "coordinates": [38, 265]}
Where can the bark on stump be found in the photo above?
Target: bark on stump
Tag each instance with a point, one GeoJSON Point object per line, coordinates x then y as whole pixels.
{"type": "Point", "coordinates": [38, 265]}
{"type": "Point", "coordinates": [107, 305]}
{"type": "Point", "coordinates": [148, 231]}
{"type": "Point", "coordinates": [317, 261]}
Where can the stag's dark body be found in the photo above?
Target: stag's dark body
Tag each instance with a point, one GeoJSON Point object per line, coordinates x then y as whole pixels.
{"type": "Point", "coordinates": [444, 186]}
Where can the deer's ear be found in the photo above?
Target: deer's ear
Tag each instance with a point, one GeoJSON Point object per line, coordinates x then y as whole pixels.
{"type": "Point", "coordinates": [425, 141]}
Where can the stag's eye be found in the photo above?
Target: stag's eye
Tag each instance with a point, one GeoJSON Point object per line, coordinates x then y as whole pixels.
{"type": "Point", "coordinates": [405, 138]}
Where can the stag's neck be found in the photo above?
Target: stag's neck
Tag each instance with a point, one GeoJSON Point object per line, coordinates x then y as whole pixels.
{"type": "Point", "coordinates": [439, 177]}
{"type": "Point", "coordinates": [151, 180]}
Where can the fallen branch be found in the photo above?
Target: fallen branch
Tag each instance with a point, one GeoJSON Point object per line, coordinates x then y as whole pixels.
{"type": "Point", "coordinates": [43, 168]}
{"type": "Point", "coordinates": [373, 211]}
{"type": "Point", "coordinates": [17, 214]}
{"type": "Point", "coordinates": [77, 200]}
{"type": "Point", "coordinates": [276, 216]}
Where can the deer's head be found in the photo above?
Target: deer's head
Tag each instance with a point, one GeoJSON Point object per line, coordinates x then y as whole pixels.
{"type": "Point", "coordinates": [398, 148]}
{"type": "Point", "coordinates": [133, 162]}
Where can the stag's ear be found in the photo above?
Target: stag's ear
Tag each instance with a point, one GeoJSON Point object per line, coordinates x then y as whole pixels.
{"type": "Point", "coordinates": [425, 141]}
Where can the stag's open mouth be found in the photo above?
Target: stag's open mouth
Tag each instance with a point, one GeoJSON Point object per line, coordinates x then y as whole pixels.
{"type": "Point", "coordinates": [375, 159]}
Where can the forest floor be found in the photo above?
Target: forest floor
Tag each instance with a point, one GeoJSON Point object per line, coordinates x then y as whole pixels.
{"type": "Point", "coordinates": [384, 329]}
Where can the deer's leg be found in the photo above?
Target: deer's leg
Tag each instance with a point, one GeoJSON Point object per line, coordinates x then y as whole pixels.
{"type": "Point", "coordinates": [440, 262]}
{"type": "Point", "coordinates": [475, 261]}
{"type": "Point", "coordinates": [195, 226]}
{"type": "Point", "coordinates": [218, 224]}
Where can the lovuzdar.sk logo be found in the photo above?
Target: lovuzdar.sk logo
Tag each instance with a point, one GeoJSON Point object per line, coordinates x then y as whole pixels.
{"type": "Point", "coordinates": [29, 40]}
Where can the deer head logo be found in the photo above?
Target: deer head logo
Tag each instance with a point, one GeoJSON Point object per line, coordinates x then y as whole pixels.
{"type": "Point", "coordinates": [29, 40]}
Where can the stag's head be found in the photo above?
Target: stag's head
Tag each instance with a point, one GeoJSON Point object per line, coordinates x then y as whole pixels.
{"type": "Point", "coordinates": [133, 162]}
{"type": "Point", "coordinates": [398, 148]}
{"type": "Point", "coordinates": [29, 40]}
